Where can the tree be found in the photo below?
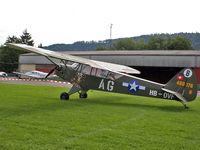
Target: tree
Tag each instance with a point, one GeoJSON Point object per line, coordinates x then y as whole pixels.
{"type": "Point", "coordinates": [9, 59]}
{"type": "Point", "coordinates": [140, 45]}
{"type": "Point", "coordinates": [13, 39]}
{"type": "Point", "coordinates": [8, 56]}
{"type": "Point", "coordinates": [179, 43]}
{"type": "Point", "coordinates": [101, 48]}
{"type": "Point", "coordinates": [129, 44]}
{"type": "Point", "coordinates": [124, 44]}
{"type": "Point", "coordinates": [26, 38]}
{"type": "Point", "coordinates": [40, 45]}
{"type": "Point", "coordinates": [169, 43]}
{"type": "Point", "coordinates": [157, 43]}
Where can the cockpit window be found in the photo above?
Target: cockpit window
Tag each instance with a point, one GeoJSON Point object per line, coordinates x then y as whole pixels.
{"type": "Point", "coordinates": [75, 66]}
{"type": "Point", "coordinates": [86, 69]}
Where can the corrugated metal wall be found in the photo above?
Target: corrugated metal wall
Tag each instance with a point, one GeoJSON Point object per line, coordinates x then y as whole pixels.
{"type": "Point", "coordinates": [153, 59]}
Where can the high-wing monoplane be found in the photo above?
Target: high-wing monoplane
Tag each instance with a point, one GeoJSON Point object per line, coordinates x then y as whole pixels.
{"type": "Point", "coordinates": [85, 74]}
{"type": "Point", "coordinates": [33, 74]}
{"type": "Point", "coordinates": [3, 74]}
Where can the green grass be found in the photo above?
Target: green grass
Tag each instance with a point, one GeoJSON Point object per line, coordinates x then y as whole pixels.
{"type": "Point", "coordinates": [33, 118]}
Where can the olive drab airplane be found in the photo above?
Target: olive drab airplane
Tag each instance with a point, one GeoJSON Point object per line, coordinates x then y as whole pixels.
{"type": "Point", "coordinates": [85, 74]}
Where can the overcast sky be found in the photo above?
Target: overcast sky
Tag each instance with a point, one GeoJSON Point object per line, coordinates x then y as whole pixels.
{"type": "Point", "coordinates": [67, 21]}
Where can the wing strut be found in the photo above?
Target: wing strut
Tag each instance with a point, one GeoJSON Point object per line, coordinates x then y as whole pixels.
{"type": "Point", "coordinates": [73, 90]}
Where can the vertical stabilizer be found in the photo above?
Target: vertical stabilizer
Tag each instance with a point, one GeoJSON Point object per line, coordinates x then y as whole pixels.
{"type": "Point", "coordinates": [183, 85]}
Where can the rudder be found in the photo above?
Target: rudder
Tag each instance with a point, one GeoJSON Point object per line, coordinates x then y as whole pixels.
{"type": "Point", "coordinates": [183, 85]}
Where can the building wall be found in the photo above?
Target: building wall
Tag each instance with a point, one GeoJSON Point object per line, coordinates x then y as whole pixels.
{"type": "Point", "coordinates": [197, 70]}
{"type": "Point", "coordinates": [140, 60]}
{"type": "Point", "coordinates": [33, 59]}
{"type": "Point", "coordinates": [44, 68]}
{"type": "Point", "coordinates": [153, 61]}
{"type": "Point", "coordinates": [154, 65]}
{"type": "Point", "coordinates": [26, 67]}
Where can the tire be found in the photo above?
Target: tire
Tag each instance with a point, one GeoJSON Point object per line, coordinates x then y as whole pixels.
{"type": "Point", "coordinates": [83, 95]}
{"type": "Point", "coordinates": [64, 96]}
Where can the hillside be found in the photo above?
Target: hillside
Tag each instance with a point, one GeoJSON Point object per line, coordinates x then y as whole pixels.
{"type": "Point", "coordinates": [93, 45]}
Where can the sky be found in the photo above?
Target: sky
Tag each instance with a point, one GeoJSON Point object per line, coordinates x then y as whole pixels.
{"type": "Point", "coordinates": [68, 21]}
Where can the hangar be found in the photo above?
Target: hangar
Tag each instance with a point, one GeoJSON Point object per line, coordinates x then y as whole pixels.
{"type": "Point", "coordinates": [155, 65]}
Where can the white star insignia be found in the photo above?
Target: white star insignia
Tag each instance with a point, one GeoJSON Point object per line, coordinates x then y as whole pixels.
{"type": "Point", "coordinates": [133, 86]}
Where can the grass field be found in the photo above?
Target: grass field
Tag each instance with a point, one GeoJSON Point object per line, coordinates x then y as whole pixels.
{"type": "Point", "coordinates": [33, 118]}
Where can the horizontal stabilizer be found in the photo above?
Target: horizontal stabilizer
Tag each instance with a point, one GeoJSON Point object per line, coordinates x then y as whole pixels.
{"type": "Point", "coordinates": [176, 94]}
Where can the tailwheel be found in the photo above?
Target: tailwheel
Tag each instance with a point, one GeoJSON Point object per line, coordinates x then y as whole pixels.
{"type": "Point", "coordinates": [83, 95]}
{"type": "Point", "coordinates": [185, 106]}
{"type": "Point", "coordinates": [64, 96]}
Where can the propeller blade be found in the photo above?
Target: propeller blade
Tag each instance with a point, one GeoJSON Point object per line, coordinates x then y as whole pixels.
{"type": "Point", "coordinates": [50, 72]}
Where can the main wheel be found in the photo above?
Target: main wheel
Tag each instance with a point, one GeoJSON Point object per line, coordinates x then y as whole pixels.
{"type": "Point", "coordinates": [83, 95]}
{"type": "Point", "coordinates": [64, 96]}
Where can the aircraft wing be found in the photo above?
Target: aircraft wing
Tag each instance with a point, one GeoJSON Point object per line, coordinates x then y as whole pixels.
{"type": "Point", "coordinates": [117, 67]}
{"type": "Point", "coordinates": [18, 73]}
{"type": "Point", "coordinates": [92, 63]}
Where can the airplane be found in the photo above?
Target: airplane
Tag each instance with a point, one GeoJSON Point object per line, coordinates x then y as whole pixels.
{"type": "Point", "coordinates": [33, 74]}
{"type": "Point", "coordinates": [3, 74]}
{"type": "Point", "coordinates": [86, 74]}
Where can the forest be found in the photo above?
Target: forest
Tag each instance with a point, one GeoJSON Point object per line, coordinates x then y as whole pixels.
{"type": "Point", "coordinates": [160, 39]}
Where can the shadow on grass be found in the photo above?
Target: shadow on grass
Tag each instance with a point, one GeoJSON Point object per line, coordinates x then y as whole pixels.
{"type": "Point", "coordinates": [119, 103]}
{"type": "Point", "coordinates": [53, 104]}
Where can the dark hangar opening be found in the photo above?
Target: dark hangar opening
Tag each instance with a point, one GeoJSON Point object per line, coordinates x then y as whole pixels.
{"type": "Point", "coordinates": [157, 74]}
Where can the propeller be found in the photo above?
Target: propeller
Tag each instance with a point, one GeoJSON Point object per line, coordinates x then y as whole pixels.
{"type": "Point", "coordinates": [50, 72]}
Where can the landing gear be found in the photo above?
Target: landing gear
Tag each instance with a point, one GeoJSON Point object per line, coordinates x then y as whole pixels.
{"type": "Point", "coordinates": [74, 89]}
{"type": "Point", "coordinates": [83, 95]}
{"type": "Point", "coordinates": [185, 106]}
{"type": "Point", "coordinates": [64, 96]}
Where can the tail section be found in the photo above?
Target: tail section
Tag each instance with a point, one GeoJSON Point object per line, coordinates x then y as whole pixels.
{"type": "Point", "coordinates": [183, 85]}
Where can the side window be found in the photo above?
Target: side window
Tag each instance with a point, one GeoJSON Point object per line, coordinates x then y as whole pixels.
{"type": "Point", "coordinates": [86, 69]}
{"type": "Point", "coordinates": [102, 73]}
{"type": "Point", "coordinates": [75, 66]}
{"type": "Point", "coordinates": [93, 71]}
{"type": "Point", "coordinates": [99, 72]}
{"type": "Point", "coordinates": [113, 76]}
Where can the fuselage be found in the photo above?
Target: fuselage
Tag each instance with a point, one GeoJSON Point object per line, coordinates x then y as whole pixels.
{"type": "Point", "coordinates": [104, 80]}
